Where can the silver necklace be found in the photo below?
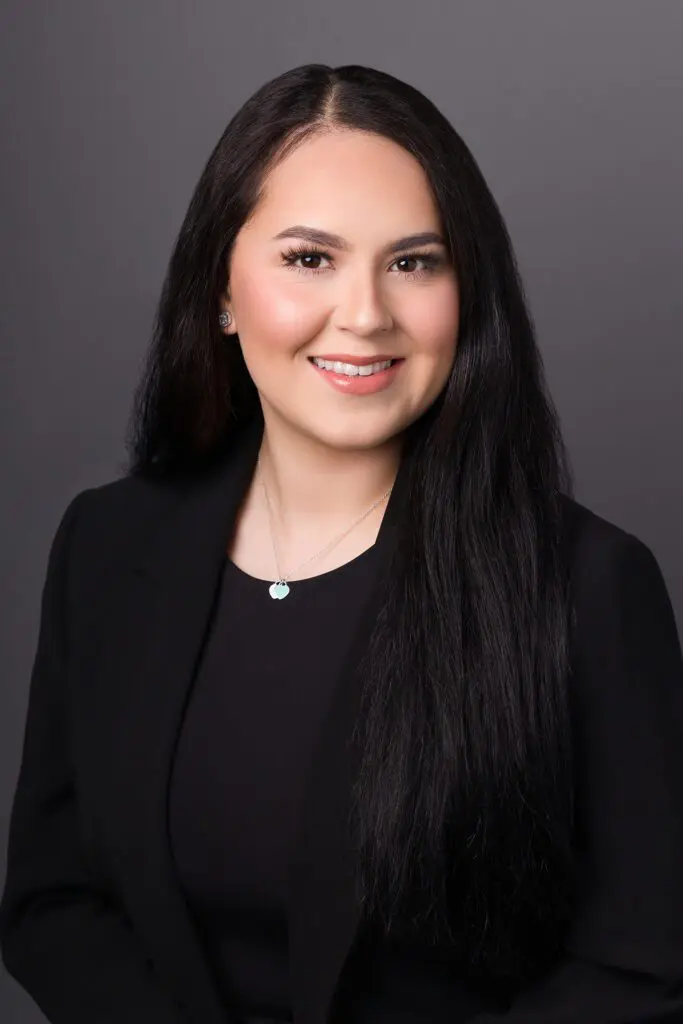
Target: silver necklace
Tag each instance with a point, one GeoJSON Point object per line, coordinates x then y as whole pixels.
{"type": "Point", "coordinates": [279, 589]}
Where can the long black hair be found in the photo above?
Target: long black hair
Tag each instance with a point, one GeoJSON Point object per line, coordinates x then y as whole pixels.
{"type": "Point", "coordinates": [464, 797]}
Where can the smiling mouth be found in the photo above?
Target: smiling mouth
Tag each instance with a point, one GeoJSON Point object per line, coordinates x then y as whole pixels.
{"type": "Point", "coordinates": [354, 368]}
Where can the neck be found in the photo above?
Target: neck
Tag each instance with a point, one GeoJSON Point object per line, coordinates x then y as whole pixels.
{"type": "Point", "coordinates": [312, 486]}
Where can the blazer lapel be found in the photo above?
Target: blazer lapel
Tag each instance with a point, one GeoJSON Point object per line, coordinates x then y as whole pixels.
{"type": "Point", "coordinates": [156, 642]}
{"type": "Point", "coordinates": [155, 629]}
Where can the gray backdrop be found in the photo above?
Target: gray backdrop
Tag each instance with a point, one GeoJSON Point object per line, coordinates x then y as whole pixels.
{"type": "Point", "coordinates": [109, 111]}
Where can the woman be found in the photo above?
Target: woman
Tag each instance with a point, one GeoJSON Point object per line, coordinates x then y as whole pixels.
{"type": "Point", "coordinates": [343, 709]}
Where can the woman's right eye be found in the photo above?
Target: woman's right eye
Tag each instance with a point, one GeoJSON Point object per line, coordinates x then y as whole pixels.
{"type": "Point", "coordinates": [291, 257]}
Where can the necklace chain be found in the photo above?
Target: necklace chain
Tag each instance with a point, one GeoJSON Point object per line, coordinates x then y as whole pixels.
{"type": "Point", "coordinates": [280, 588]}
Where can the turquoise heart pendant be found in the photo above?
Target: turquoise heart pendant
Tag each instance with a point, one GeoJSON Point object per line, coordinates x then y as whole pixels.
{"type": "Point", "coordinates": [278, 591]}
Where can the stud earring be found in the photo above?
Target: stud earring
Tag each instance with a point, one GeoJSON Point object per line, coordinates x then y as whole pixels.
{"type": "Point", "coordinates": [224, 319]}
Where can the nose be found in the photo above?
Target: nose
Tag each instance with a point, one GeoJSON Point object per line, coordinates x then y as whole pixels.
{"type": "Point", "coordinates": [361, 307]}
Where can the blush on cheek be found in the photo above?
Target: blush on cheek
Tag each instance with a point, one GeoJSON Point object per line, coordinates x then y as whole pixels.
{"type": "Point", "coordinates": [274, 317]}
{"type": "Point", "coordinates": [439, 317]}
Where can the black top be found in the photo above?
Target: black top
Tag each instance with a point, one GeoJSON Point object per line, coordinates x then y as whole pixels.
{"type": "Point", "coordinates": [265, 678]}
{"type": "Point", "coordinates": [262, 687]}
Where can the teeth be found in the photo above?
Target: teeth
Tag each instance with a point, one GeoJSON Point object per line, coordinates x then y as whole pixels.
{"type": "Point", "coordinates": [350, 369]}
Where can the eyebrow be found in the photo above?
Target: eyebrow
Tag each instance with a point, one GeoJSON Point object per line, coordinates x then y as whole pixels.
{"type": "Point", "coordinates": [337, 242]}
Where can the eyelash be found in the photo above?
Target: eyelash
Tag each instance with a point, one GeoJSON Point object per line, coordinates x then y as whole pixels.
{"type": "Point", "coordinates": [431, 261]}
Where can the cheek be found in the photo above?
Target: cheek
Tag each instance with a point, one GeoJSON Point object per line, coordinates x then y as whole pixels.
{"type": "Point", "coordinates": [434, 322]}
{"type": "Point", "coordinates": [275, 313]}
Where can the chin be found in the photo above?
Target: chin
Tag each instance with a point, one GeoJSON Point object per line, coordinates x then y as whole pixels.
{"type": "Point", "coordinates": [355, 437]}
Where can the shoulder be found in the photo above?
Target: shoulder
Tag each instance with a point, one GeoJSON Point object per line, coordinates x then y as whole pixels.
{"type": "Point", "coordinates": [129, 499]}
{"type": "Point", "coordinates": [587, 532]}
{"type": "Point", "coordinates": [624, 622]}
{"type": "Point", "coordinates": [600, 551]}
{"type": "Point", "coordinates": [104, 525]}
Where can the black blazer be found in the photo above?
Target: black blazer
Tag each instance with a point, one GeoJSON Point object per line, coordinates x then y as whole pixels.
{"type": "Point", "coordinates": [93, 923]}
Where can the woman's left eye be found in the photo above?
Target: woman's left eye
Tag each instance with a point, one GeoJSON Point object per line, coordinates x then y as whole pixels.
{"type": "Point", "coordinates": [430, 260]}
{"type": "Point", "coordinates": [290, 259]}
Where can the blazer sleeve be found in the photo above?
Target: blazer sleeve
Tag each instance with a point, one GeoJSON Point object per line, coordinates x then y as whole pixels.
{"type": "Point", "coordinates": [624, 957]}
{"type": "Point", "coordinates": [65, 942]}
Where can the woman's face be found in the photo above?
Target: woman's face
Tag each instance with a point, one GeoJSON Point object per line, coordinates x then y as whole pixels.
{"type": "Point", "coordinates": [365, 294]}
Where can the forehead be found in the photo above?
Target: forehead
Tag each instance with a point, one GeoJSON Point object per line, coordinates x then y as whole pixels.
{"type": "Point", "coordinates": [344, 180]}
